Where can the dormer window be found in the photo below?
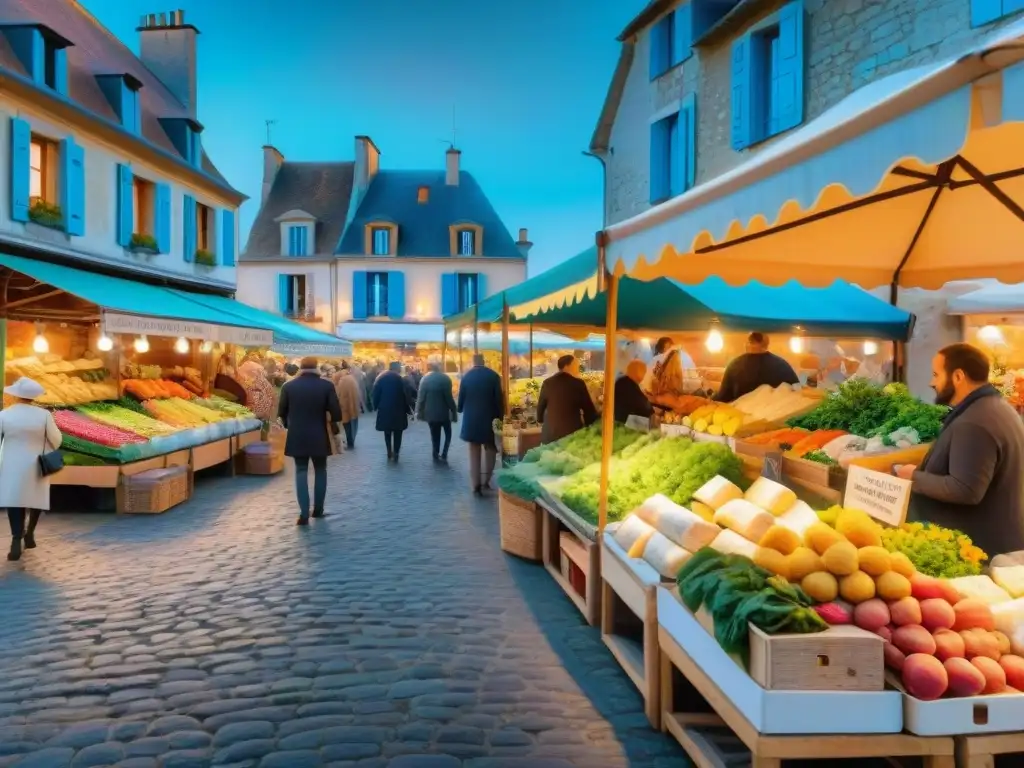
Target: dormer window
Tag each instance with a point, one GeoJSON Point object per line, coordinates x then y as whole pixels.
{"type": "Point", "coordinates": [185, 134]}
{"type": "Point", "coordinates": [466, 239]}
{"type": "Point", "coordinates": [43, 53]}
{"type": "Point", "coordinates": [423, 195]}
{"type": "Point", "coordinates": [122, 91]}
{"type": "Point", "coordinates": [298, 233]}
{"type": "Point", "coordinates": [381, 239]}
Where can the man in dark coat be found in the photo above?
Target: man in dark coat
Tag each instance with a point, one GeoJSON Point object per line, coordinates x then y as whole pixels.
{"type": "Point", "coordinates": [971, 478]}
{"type": "Point", "coordinates": [564, 404]}
{"type": "Point", "coordinates": [481, 401]}
{"type": "Point", "coordinates": [372, 373]}
{"type": "Point", "coordinates": [755, 367]}
{"type": "Point", "coordinates": [394, 400]}
{"type": "Point", "coordinates": [436, 406]}
{"type": "Point", "coordinates": [310, 411]}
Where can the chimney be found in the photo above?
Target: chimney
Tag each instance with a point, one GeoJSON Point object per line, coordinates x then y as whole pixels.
{"type": "Point", "coordinates": [451, 167]}
{"type": "Point", "coordinates": [167, 46]}
{"type": "Point", "coordinates": [367, 162]}
{"type": "Point", "coordinates": [523, 243]}
{"type": "Point", "coordinates": [272, 160]}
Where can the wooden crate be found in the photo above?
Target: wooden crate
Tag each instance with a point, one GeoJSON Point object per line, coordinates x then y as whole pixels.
{"type": "Point", "coordinates": [982, 751]}
{"type": "Point", "coordinates": [625, 587]}
{"type": "Point", "coordinates": [155, 491]}
{"type": "Point", "coordinates": [839, 659]}
{"type": "Point", "coordinates": [211, 454]}
{"type": "Point", "coordinates": [582, 553]}
{"type": "Point", "coordinates": [520, 525]}
{"type": "Point", "coordinates": [712, 739]}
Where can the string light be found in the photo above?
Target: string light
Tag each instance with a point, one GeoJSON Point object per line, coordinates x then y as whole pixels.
{"type": "Point", "coordinates": [991, 335]}
{"type": "Point", "coordinates": [205, 347]}
{"type": "Point", "coordinates": [181, 345]}
{"type": "Point", "coordinates": [141, 345]}
{"type": "Point", "coordinates": [715, 342]}
{"type": "Point", "coordinates": [870, 348]}
{"type": "Point", "coordinates": [796, 344]}
{"type": "Point", "coordinates": [104, 343]}
{"type": "Point", "coordinates": [39, 344]}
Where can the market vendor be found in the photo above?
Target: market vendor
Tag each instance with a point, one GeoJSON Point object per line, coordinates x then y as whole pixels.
{"type": "Point", "coordinates": [630, 399]}
{"type": "Point", "coordinates": [755, 367]}
{"type": "Point", "coordinates": [564, 404]}
{"type": "Point", "coordinates": [666, 375]}
{"type": "Point", "coordinates": [971, 480]}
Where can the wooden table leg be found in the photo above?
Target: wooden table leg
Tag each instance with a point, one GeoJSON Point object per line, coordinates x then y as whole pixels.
{"type": "Point", "coordinates": [666, 694]}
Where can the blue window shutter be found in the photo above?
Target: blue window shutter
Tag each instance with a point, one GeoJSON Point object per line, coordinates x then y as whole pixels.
{"type": "Point", "coordinates": [659, 42]}
{"type": "Point", "coordinates": [742, 96]}
{"type": "Point", "coordinates": [60, 71]}
{"type": "Point", "coordinates": [72, 187]}
{"type": "Point", "coordinates": [660, 181]}
{"type": "Point", "coordinates": [985, 11]}
{"type": "Point", "coordinates": [305, 241]}
{"type": "Point", "coordinates": [125, 201]}
{"type": "Point", "coordinates": [396, 295]}
{"type": "Point", "coordinates": [481, 286]}
{"type": "Point", "coordinates": [284, 293]}
{"type": "Point", "coordinates": [188, 229]}
{"type": "Point", "coordinates": [21, 170]}
{"type": "Point", "coordinates": [27, 43]}
{"type": "Point", "coordinates": [676, 126]}
{"type": "Point", "coordinates": [359, 296]}
{"type": "Point", "coordinates": [227, 232]}
{"type": "Point", "coordinates": [195, 150]}
{"type": "Point", "coordinates": [686, 140]}
{"type": "Point", "coordinates": [788, 80]}
{"type": "Point", "coordinates": [449, 294]}
{"type": "Point", "coordinates": [682, 33]}
{"type": "Point", "coordinates": [162, 218]}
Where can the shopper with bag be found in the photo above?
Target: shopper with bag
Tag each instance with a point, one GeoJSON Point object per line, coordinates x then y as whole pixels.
{"type": "Point", "coordinates": [29, 440]}
{"type": "Point", "coordinates": [310, 411]}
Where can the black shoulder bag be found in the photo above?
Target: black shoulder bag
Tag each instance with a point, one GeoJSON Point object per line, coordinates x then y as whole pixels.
{"type": "Point", "coordinates": [50, 462]}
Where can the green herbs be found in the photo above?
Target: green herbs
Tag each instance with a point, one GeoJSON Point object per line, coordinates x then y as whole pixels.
{"type": "Point", "coordinates": [820, 457]}
{"type": "Point", "coordinates": [934, 550]}
{"type": "Point", "coordinates": [514, 484]}
{"type": "Point", "coordinates": [737, 593]}
{"type": "Point", "coordinates": [868, 410]}
{"type": "Point", "coordinates": [143, 242]}
{"type": "Point", "coordinates": [46, 214]}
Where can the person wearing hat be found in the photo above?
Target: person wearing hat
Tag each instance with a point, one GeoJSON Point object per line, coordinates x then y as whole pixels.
{"type": "Point", "coordinates": [310, 411]}
{"type": "Point", "coordinates": [26, 432]}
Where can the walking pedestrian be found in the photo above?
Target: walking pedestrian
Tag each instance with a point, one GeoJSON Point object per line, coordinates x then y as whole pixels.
{"type": "Point", "coordinates": [480, 402]}
{"type": "Point", "coordinates": [310, 411]}
{"type": "Point", "coordinates": [372, 372]}
{"type": "Point", "coordinates": [348, 396]}
{"type": "Point", "coordinates": [360, 379]}
{"type": "Point", "coordinates": [564, 404]}
{"type": "Point", "coordinates": [435, 405]}
{"type": "Point", "coordinates": [394, 401]}
{"type": "Point", "coordinates": [26, 433]}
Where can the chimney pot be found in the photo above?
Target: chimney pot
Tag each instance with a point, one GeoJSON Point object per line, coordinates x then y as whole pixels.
{"type": "Point", "coordinates": [523, 243]}
{"type": "Point", "coordinates": [181, 16]}
{"type": "Point", "coordinates": [523, 235]}
{"type": "Point", "coordinates": [451, 175]}
{"type": "Point", "coordinates": [171, 55]}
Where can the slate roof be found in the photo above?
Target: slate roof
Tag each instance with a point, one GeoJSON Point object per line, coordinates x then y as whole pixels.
{"type": "Point", "coordinates": [320, 189]}
{"type": "Point", "coordinates": [95, 51]}
{"type": "Point", "coordinates": [423, 228]}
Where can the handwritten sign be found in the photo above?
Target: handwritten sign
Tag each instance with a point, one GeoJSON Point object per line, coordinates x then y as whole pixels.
{"type": "Point", "coordinates": [639, 423]}
{"type": "Point", "coordinates": [882, 496]}
{"type": "Point", "coordinates": [772, 468]}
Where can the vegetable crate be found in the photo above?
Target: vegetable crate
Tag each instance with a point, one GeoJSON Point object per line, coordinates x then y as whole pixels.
{"type": "Point", "coordinates": [629, 597]}
{"type": "Point", "coordinates": [572, 559]}
{"type": "Point", "coordinates": [156, 490]}
{"type": "Point", "coordinates": [716, 710]}
{"type": "Point", "coordinates": [982, 751]}
{"type": "Point", "coordinates": [520, 524]}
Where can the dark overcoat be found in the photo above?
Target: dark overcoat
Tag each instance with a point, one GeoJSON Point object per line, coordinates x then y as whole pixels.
{"type": "Point", "coordinates": [306, 403]}
{"type": "Point", "coordinates": [435, 403]}
{"type": "Point", "coordinates": [480, 402]}
{"type": "Point", "coordinates": [394, 400]}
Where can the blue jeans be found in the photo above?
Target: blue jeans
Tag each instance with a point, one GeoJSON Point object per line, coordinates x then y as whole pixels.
{"type": "Point", "coordinates": [302, 483]}
{"type": "Point", "coordinates": [351, 430]}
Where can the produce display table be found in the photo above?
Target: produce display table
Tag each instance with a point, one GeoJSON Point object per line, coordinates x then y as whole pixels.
{"type": "Point", "coordinates": [775, 726]}
{"type": "Point", "coordinates": [629, 587]}
{"type": "Point", "coordinates": [981, 751]}
{"type": "Point", "coordinates": [571, 556]}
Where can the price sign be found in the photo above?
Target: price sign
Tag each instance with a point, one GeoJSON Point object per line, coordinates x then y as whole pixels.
{"type": "Point", "coordinates": [639, 423]}
{"type": "Point", "coordinates": [772, 468]}
{"type": "Point", "coordinates": [675, 430]}
{"type": "Point", "coordinates": [882, 496]}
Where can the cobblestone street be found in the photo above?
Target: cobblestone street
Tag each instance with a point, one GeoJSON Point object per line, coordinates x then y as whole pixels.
{"type": "Point", "coordinates": [394, 633]}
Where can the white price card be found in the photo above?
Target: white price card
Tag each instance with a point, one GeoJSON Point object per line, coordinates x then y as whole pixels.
{"type": "Point", "coordinates": [675, 430]}
{"type": "Point", "coordinates": [639, 423]}
{"type": "Point", "coordinates": [885, 497]}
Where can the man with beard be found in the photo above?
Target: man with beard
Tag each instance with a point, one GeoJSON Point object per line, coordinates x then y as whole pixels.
{"type": "Point", "coordinates": [971, 478]}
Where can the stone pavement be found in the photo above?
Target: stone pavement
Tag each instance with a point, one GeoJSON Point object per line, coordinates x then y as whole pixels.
{"type": "Point", "coordinates": [393, 634]}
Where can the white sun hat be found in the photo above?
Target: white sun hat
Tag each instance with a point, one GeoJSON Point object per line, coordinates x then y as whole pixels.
{"type": "Point", "coordinates": [25, 389]}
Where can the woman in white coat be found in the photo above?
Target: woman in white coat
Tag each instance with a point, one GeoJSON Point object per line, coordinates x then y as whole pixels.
{"type": "Point", "coordinates": [26, 432]}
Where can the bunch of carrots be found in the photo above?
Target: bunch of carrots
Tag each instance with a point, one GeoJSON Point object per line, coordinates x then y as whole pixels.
{"type": "Point", "coordinates": [147, 389]}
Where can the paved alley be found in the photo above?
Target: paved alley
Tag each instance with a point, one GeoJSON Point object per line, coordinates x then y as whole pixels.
{"type": "Point", "coordinates": [393, 634]}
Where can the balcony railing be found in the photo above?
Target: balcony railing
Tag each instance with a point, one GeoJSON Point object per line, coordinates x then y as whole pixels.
{"type": "Point", "coordinates": [302, 315]}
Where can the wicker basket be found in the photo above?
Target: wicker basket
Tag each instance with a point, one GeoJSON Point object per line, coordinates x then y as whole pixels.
{"type": "Point", "coordinates": [263, 458]}
{"type": "Point", "coordinates": [520, 523]}
{"type": "Point", "coordinates": [156, 490]}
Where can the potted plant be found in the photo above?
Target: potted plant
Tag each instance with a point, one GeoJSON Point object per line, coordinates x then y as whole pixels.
{"type": "Point", "coordinates": [142, 243]}
{"type": "Point", "coordinates": [46, 214]}
{"type": "Point", "coordinates": [206, 258]}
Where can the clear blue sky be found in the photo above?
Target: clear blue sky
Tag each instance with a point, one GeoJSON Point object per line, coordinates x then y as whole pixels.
{"type": "Point", "coordinates": [526, 79]}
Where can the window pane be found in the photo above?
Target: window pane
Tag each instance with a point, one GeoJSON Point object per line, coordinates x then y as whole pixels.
{"type": "Point", "coordinates": [381, 241]}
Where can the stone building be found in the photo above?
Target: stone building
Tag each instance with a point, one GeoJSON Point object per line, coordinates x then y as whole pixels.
{"type": "Point", "coordinates": [703, 86]}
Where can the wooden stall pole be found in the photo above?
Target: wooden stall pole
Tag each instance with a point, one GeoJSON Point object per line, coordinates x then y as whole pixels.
{"type": "Point", "coordinates": [505, 372]}
{"type": "Point", "coordinates": [458, 347]}
{"type": "Point", "coordinates": [531, 350]}
{"type": "Point", "coordinates": [611, 284]}
{"type": "Point", "coordinates": [444, 352]}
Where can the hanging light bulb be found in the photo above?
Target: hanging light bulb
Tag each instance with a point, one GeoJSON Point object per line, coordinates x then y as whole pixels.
{"type": "Point", "coordinates": [205, 347]}
{"type": "Point", "coordinates": [181, 346]}
{"type": "Point", "coordinates": [991, 335]}
{"type": "Point", "coordinates": [141, 345]}
{"type": "Point", "coordinates": [104, 343]}
{"type": "Point", "coordinates": [796, 344]}
{"type": "Point", "coordinates": [715, 342]}
{"type": "Point", "coordinates": [39, 344]}
{"type": "Point", "coordinates": [870, 348]}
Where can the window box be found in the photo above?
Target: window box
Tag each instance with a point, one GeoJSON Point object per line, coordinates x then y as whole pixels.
{"type": "Point", "coordinates": [143, 243]}
{"type": "Point", "coordinates": [46, 214]}
{"type": "Point", "coordinates": [206, 258]}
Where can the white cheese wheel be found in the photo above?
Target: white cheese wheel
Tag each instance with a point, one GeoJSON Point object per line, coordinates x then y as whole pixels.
{"type": "Point", "coordinates": [1010, 578]}
{"type": "Point", "coordinates": [678, 524]}
{"type": "Point", "coordinates": [981, 588]}
{"type": "Point", "coordinates": [1009, 615]}
{"type": "Point", "coordinates": [770, 495]}
{"type": "Point", "coordinates": [731, 543]}
{"type": "Point", "coordinates": [717, 491]}
{"type": "Point", "coordinates": [664, 556]}
{"type": "Point", "coordinates": [798, 518]}
{"type": "Point", "coordinates": [631, 530]}
{"type": "Point", "coordinates": [748, 520]}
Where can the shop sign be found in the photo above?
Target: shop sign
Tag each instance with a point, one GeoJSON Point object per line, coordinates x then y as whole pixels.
{"type": "Point", "coordinates": [772, 467]}
{"type": "Point", "coordinates": [243, 337]}
{"type": "Point", "coordinates": [136, 325]}
{"type": "Point", "coordinates": [885, 497]}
